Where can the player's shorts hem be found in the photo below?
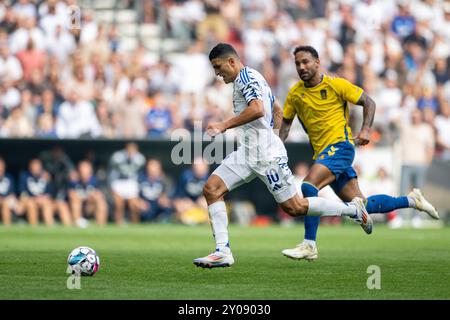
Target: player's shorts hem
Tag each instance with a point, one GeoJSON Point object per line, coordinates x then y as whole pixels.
{"type": "Point", "coordinates": [230, 178]}
{"type": "Point", "coordinates": [286, 194]}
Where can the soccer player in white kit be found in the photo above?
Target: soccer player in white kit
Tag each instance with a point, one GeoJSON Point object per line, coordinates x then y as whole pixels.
{"type": "Point", "coordinates": [260, 154]}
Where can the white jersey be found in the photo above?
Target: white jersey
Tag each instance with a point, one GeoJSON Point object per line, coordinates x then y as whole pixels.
{"type": "Point", "coordinates": [257, 138]}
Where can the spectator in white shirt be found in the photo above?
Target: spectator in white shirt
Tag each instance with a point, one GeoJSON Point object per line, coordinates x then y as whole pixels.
{"type": "Point", "coordinates": [25, 9]}
{"type": "Point", "coordinates": [61, 44]}
{"type": "Point", "coordinates": [27, 28]}
{"type": "Point", "coordinates": [417, 145]}
{"type": "Point", "coordinates": [10, 67]}
{"type": "Point", "coordinates": [76, 118]}
{"type": "Point", "coordinates": [442, 124]}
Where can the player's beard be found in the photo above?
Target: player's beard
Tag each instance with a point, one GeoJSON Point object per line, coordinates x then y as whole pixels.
{"type": "Point", "coordinates": [308, 76]}
{"type": "Point", "coordinates": [305, 76]}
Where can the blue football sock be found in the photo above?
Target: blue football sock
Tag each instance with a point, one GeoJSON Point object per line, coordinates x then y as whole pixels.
{"type": "Point", "coordinates": [382, 203]}
{"type": "Point", "coordinates": [311, 222]}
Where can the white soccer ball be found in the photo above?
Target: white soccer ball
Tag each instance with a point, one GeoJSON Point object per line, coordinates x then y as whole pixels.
{"type": "Point", "coordinates": [83, 261]}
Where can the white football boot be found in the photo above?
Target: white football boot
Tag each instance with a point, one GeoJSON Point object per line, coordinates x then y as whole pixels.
{"type": "Point", "coordinates": [362, 216]}
{"type": "Point", "coordinates": [215, 260]}
{"type": "Point", "coordinates": [302, 251]}
{"type": "Point", "coordinates": [422, 204]}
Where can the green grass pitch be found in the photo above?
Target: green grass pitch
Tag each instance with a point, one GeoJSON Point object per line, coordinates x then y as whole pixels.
{"type": "Point", "coordinates": [155, 262]}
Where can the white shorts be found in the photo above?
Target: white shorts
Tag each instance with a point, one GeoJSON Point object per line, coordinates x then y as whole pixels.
{"type": "Point", "coordinates": [127, 189]}
{"type": "Point", "coordinates": [276, 175]}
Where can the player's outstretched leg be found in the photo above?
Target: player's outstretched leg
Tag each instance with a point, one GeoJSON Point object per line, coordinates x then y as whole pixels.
{"type": "Point", "coordinates": [214, 190]}
{"type": "Point", "coordinates": [316, 206]}
{"type": "Point", "coordinates": [382, 203]}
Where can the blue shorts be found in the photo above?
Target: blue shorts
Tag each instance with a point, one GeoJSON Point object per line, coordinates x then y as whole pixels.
{"type": "Point", "coordinates": [338, 157]}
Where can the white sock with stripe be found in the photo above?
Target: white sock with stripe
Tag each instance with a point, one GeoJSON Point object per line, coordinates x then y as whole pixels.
{"type": "Point", "coordinates": [219, 225]}
{"type": "Point", "coordinates": [324, 207]}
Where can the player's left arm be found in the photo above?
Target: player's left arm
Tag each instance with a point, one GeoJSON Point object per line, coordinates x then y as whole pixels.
{"type": "Point", "coordinates": [255, 110]}
{"type": "Point", "coordinates": [367, 102]}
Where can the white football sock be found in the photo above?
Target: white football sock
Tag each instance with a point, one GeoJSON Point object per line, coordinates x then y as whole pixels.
{"type": "Point", "coordinates": [219, 224]}
{"type": "Point", "coordinates": [310, 242]}
{"type": "Point", "coordinates": [412, 202]}
{"type": "Point", "coordinates": [324, 207]}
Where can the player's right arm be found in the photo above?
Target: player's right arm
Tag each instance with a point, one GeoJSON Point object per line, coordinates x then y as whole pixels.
{"type": "Point", "coordinates": [285, 128]}
{"type": "Point", "coordinates": [288, 117]}
{"type": "Point", "coordinates": [255, 110]}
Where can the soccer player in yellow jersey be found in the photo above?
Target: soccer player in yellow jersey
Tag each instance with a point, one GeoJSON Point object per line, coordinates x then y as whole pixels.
{"type": "Point", "coordinates": [321, 103]}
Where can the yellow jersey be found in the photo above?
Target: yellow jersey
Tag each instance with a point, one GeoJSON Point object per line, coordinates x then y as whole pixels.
{"type": "Point", "coordinates": [323, 110]}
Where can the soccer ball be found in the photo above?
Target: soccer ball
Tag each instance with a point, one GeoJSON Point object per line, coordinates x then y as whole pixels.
{"type": "Point", "coordinates": [83, 261]}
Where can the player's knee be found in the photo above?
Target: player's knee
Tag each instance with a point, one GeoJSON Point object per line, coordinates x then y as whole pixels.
{"type": "Point", "coordinates": [210, 191]}
{"type": "Point", "coordinates": [289, 210]}
{"type": "Point", "coordinates": [302, 207]}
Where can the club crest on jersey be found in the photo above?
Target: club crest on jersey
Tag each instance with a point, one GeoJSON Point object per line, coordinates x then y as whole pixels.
{"type": "Point", "coordinates": [323, 94]}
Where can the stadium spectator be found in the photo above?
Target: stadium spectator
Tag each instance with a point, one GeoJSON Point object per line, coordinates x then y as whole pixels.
{"type": "Point", "coordinates": [9, 96]}
{"type": "Point", "coordinates": [25, 8]}
{"type": "Point", "coordinates": [388, 98]}
{"type": "Point", "coordinates": [159, 118]}
{"type": "Point", "coordinates": [31, 59]}
{"type": "Point", "coordinates": [417, 159]}
{"type": "Point", "coordinates": [106, 120]}
{"type": "Point", "coordinates": [189, 202]}
{"type": "Point", "coordinates": [365, 42]}
{"type": "Point", "coordinates": [46, 126]}
{"type": "Point", "coordinates": [124, 169]}
{"type": "Point", "coordinates": [48, 104]}
{"type": "Point", "coordinates": [60, 44]}
{"type": "Point", "coordinates": [9, 21]}
{"type": "Point", "coordinates": [89, 27]}
{"type": "Point", "coordinates": [132, 111]}
{"type": "Point", "coordinates": [85, 197]}
{"type": "Point", "coordinates": [154, 203]}
{"type": "Point", "coordinates": [81, 84]}
{"type": "Point", "coordinates": [443, 131]}
{"type": "Point", "coordinates": [17, 125]}
{"type": "Point", "coordinates": [403, 23]}
{"type": "Point", "coordinates": [8, 199]}
{"type": "Point", "coordinates": [76, 118]}
{"type": "Point", "coordinates": [10, 67]}
{"type": "Point", "coordinates": [428, 100]}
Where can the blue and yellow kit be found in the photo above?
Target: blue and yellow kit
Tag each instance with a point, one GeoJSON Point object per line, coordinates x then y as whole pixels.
{"type": "Point", "coordinates": [323, 112]}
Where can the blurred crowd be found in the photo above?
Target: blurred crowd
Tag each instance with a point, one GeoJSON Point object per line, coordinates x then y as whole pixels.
{"type": "Point", "coordinates": [68, 78]}
{"type": "Point", "coordinates": [129, 189]}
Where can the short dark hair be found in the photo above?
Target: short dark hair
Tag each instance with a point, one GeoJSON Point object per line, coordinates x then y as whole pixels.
{"type": "Point", "coordinates": [222, 50]}
{"type": "Point", "coordinates": [309, 49]}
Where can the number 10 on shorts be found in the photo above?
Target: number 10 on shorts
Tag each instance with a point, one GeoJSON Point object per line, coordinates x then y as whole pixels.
{"type": "Point", "coordinates": [272, 176]}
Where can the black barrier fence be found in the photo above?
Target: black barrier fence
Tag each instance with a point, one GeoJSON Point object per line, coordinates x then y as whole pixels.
{"type": "Point", "coordinates": [18, 152]}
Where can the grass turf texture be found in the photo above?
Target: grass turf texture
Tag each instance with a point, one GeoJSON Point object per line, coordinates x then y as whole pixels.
{"type": "Point", "coordinates": [155, 262]}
